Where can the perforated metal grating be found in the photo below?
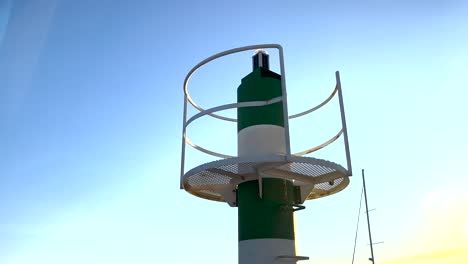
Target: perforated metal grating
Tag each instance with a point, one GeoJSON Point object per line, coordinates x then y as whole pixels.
{"type": "Point", "coordinates": [214, 180]}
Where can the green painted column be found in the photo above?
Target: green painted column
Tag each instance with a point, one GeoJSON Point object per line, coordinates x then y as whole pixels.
{"type": "Point", "coordinates": [266, 224]}
{"type": "Point", "coordinates": [270, 216]}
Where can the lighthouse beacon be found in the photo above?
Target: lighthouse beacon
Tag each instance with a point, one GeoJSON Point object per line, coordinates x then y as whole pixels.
{"type": "Point", "coordinates": [265, 181]}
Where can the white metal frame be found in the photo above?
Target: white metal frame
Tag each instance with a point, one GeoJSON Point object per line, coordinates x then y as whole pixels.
{"type": "Point", "coordinates": [283, 99]}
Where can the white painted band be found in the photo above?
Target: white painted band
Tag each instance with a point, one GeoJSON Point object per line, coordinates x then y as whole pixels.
{"type": "Point", "coordinates": [261, 140]}
{"type": "Point", "coordinates": [266, 251]}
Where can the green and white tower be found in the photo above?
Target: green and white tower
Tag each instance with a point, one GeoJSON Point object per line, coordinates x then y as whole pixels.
{"type": "Point", "coordinates": [265, 180]}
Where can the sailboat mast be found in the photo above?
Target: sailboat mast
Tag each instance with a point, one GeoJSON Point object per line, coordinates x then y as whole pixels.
{"type": "Point", "coordinates": [367, 213]}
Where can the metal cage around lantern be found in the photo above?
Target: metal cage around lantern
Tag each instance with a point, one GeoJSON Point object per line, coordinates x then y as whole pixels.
{"type": "Point", "coordinates": [218, 180]}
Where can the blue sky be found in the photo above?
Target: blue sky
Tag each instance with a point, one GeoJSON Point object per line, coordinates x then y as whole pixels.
{"type": "Point", "coordinates": [91, 115]}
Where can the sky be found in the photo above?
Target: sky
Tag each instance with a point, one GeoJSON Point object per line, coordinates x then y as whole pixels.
{"type": "Point", "coordinates": [91, 107]}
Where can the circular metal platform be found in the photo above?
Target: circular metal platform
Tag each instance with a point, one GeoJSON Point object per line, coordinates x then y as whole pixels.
{"type": "Point", "coordinates": [218, 180]}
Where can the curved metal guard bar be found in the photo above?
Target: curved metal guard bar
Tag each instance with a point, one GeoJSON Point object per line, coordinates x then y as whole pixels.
{"type": "Point", "coordinates": [215, 109]}
{"type": "Point", "coordinates": [233, 105]}
{"type": "Point", "coordinates": [328, 142]}
{"type": "Point", "coordinates": [207, 151]}
{"type": "Point", "coordinates": [220, 108]}
{"type": "Point", "coordinates": [261, 103]}
{"type": "Point", "coordinates": [216, 56]}
{"type": "Point", "coordinates": [316, 107]}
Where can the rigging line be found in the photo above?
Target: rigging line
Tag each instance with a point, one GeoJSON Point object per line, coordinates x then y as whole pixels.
{"type": "Point", "coordinates": [357, 225]}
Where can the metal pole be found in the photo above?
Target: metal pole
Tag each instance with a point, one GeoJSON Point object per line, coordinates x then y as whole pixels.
{"type": "Point", "coordinates": [182, 158]}
{"type": "Point", "coordinates": [343, 122]}
{"type": "Point", "coordinates": [285, 103]}
{"type": "Point", "coordinates": [367, 212]}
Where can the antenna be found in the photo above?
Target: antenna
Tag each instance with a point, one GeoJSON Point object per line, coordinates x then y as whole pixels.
{"type": "Point", "coordinates": [265, 181]}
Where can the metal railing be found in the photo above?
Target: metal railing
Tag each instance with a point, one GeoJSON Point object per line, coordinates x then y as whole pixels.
{"type": "Point", "coordinates": [283, 99]}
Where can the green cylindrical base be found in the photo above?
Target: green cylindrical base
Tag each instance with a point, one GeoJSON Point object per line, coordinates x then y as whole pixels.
{"type": "Point", "coordinates": [270, 216]}
{"type": "Point", "coordinates": [266, 224]}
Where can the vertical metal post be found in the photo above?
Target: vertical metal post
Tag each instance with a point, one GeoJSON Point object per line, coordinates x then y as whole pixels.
{"type": "Point", "coordinates": [285, 103]}
{"type": "Point", "coordinates": [343, 123]}
{"type": "Point", "coordinates": [367, 212]}
{"type": "Point", "coordinates": [184, 128]}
